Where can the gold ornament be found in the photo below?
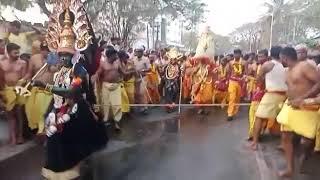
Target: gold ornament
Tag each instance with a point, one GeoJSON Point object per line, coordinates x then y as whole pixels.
{"type": "Point", "coordinates": [172, 71]}
{"type": "Point", "coordinates": [68, 27]}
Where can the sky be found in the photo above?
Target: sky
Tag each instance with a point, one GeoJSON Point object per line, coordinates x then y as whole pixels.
{"type": "Point", "coordinates": [223, 16]}
{"type": "Point", "coordinates": [226, 15]}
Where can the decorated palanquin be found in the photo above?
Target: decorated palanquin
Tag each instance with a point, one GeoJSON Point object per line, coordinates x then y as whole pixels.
{"type": "Point", "coordinates": [73, 130]}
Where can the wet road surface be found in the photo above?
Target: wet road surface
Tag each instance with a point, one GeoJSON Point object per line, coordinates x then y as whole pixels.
{"type": "Point", "coordinates": [206, 148]}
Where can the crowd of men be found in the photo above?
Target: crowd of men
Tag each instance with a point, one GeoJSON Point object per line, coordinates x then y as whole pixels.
{"type": "Point", "coordinates": [283, 88]}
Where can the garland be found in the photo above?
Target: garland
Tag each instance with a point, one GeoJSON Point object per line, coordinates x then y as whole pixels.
{"type": "Point", "coordinates": [171, 72]}
{"type": "Point", "coordinates": [237, 67]}
{"type": "Point", "coordinates": [203, 71]}
{"type": "Point", "coordinates": [223, 71]}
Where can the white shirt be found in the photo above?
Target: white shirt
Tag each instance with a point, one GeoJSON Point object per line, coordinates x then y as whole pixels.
{"type": "Point", "coordinates": [276, 78]}
{"type": "Point", "coordinates": [141, 63]}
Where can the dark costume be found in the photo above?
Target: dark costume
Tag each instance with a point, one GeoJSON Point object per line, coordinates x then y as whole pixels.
{"type": "Point", "coordinates": [172, 74]}
{"type": "Point", "coordinates": [171, 81]}
{"type": "Point", "coordinates": [72, 128]}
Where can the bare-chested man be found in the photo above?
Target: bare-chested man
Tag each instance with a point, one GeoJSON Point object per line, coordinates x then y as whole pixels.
{"type": "Point", "coordinates": [108, 81]}
{"type": "Point", "coordinates": [302, 53]}
{"type": "Point", "coordinates": [301, 78]}
{"type": "Point", "coordinates": [37, 104]}
{"type": "Point", "coordinates": [14, 69]}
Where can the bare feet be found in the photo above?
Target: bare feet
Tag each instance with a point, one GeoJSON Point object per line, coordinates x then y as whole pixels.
{"type": "Point", "coordinates": [249, 139]}
{"type": "Point", "coordinates": [280, 148]}
{"type": "Point", "coordinates": [13, 141]}
{"type": "Point", "coordinates": [286, 173]}
{"type": "Point", "coordinates": [302, 163]}
{"type": "Point", "coordinates": [20, 140]}
{"type": "Point", "coordinates": [253, 146]}
{"type": "Point", "coordinates": [117, 127]}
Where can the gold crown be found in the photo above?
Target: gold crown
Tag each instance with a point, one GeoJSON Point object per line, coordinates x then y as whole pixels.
{"type": "Point", "coordinates": [173, 54]}
{"type": "Point", "coordinates": [67, 37]}
{"type": "Point", "coordinates": [72, 33]}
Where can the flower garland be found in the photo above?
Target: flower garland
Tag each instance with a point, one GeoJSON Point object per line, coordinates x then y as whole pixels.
{"type": "Point", "coordinates": [258, 69]}
{"type": "Point", "coordinates": [237, 67]}
{"type": "Point", "coordinates": [171, 72]}
{"type": "Point", "coordinates": [203, 73]}
{"type": "Point", "coordinates": [223, 71]}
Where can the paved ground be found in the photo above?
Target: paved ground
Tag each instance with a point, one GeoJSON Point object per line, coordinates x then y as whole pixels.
{"type": "Point", "coordinates": [206, 148]}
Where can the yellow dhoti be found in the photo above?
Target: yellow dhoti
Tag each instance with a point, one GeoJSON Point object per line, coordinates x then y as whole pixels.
{"type": "Point", "coordinates": [130, 89]}
{"type": "Point", "coordinates": [251, 85]}
{"type": "Point", "coordinates": [269, 124]}
{"type": "Point", "coordinates": [220, 97]}
{"type": "Point", "coordinates": [234, 91]}
{"type": "Point", "coordinates": [205, 93]}
{"type": "Point", "coordinates": [124, 100]}
{"type": "Point", "coordinates": [11, 98]}
{"type": "Point", "coordinates": [36, 106]}
{"type": "Point", "coordinates": [111, 99]}
{"type": "Point", "coordinates": [269, 106]}
{"type": "Point", "coordinates": [252, 117]}
{"type": "Point", "coordinates": [302, 122]}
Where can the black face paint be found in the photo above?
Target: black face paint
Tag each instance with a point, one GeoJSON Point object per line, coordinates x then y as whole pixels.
{"type": "Point", "coordinates": [66, 59]}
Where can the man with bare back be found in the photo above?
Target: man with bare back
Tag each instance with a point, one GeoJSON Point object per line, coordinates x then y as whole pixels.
{"type": "Point", "coordinates": [108, 80]}
{"type": "Point", "coordinates": [37, 104]}
{"type": "Point", "coordinates": [302, 80]}
{"type": "Point", "coordinates": [14, 69]}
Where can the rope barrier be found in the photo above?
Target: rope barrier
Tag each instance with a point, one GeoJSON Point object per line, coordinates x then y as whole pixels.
{"type": "Point", "coordinates": [186, 105]}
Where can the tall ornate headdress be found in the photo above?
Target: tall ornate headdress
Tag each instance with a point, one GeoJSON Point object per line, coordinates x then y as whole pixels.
{"type": "Point", "coordinates": [68, 27]}
{"type": "Point", "coordinates": [173, 54]}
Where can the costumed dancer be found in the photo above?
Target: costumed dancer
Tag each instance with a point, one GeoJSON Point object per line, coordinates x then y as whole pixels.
{"type": "Point", "coordinates": [273, 72]}
{"type": "Point", "coordinates": [221, 85]}
{"type": "Point", "coordinates": [187, 79]}
{"type": "Point", "coordinates": [172, 80]}
{"type": "Point", "coordinates": [72, 128]}
{"type": "Point", "coordinates": [237, 69]}
{"type": "Point", "coordinates": [38, 102]}
{"type": "Point", "coordinates": [14, 69]}
{"type": "Point", "coordinates": [142, 66]}
{"type": "Point", "coordinates": [202, 88]}
{"type": "Point", "coordinates": [153, 80]}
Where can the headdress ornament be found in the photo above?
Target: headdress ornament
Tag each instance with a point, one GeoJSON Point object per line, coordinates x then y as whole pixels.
{"type": "Point", "coordinates": [173, 54]}
{"type": "Point", "coordinates": [68, 27]}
